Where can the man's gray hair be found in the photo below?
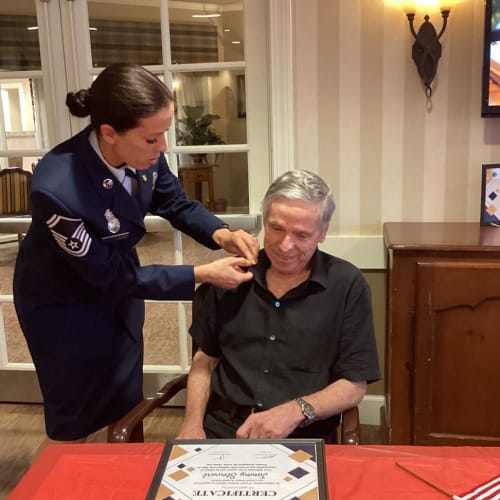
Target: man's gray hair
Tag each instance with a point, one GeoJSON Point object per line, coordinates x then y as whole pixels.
{"type": "Point", "coordinates": [301, 185]}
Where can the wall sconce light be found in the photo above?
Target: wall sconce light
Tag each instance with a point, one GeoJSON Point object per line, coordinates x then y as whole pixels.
{"type": "Point", "coordinates": [426, 50]}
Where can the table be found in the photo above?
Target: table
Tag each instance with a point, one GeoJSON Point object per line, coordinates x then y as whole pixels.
{"type": "Point", "coordinates": [196, 174]}
{"type": "Point", "coordinates": [124, 471]}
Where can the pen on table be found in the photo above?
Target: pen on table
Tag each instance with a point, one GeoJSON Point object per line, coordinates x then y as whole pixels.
{"type": "Point", "coordinates": [426, 481]}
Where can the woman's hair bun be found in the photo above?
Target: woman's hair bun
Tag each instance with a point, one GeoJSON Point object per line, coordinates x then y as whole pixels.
{"type": "Point", "coordinates": [78, 103]}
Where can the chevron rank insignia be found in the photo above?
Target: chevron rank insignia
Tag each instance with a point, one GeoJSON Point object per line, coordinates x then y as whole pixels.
{"type": "Point", "coordinates": [70, 235]}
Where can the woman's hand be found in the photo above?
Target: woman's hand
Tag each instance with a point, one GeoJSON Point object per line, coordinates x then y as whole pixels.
{"type": "Point", "coordinates": [225, 273]}
{"type": "Point", "coordinates": [238, 243]}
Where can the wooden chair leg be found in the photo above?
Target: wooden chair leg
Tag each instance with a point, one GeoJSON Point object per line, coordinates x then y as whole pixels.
{"type": "Point", "coordinates": [137, 435]}
{"type": "Point", "coordinates": [350, 429]}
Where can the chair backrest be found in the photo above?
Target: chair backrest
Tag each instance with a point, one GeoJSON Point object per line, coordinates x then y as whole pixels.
{"type": "Point", "coordinates": [15, 189]}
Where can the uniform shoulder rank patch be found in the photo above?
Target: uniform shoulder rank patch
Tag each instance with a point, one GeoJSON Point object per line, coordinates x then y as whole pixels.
{"type": "Point", "coordinates": [70, 235]}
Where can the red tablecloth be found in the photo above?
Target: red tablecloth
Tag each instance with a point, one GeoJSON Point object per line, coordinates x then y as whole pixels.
{"type": "Point", "coordinates": [125, 471]}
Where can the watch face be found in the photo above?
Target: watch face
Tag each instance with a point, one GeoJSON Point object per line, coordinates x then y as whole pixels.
{"type": "Point", "coordinates": [308, 411]}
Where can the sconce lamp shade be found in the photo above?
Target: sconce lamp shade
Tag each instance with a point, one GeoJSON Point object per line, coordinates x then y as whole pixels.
{"type": "Point", "coordinates": [423, 6]}
{"type": "Point", "coordinates": [448, 4]}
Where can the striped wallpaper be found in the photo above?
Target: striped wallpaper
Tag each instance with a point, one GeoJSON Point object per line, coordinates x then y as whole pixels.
{"type": "Point", "coordinates": [363, 121]}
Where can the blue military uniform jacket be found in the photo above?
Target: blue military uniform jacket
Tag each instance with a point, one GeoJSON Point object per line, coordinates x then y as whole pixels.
{"type": "Point", "coordinates": [77, 268]}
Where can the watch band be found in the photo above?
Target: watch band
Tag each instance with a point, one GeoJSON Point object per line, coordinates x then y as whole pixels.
{"type": "Point", "coordinates": [307, 410]}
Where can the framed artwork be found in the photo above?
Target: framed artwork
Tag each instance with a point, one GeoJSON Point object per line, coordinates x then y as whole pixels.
{"type": "Point", "coordinates": [241, 96]}
{"type": "Point", "coordinates": [490, 195]}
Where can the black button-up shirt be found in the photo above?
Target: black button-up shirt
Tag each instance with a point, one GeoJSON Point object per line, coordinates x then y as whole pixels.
{"type": "Point", "coordinates": [272, 350]}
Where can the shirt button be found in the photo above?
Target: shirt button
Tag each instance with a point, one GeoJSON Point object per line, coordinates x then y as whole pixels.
{"type": "Point", "coordinates": [259, 404]}
{"type": "Point", "coordinates": [277, 303]}
{"type": "Point", "coordinates": [266, 370]}
{"type": "Point", "coordinates": [272, 337]}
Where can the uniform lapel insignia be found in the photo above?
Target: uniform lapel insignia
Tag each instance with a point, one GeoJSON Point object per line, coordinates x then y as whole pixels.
{"type": "Point", "coordinates": [113, 222]}
{"type": "Point", "coordinates": [70, 235]}
{"type": "Point", "coordinates": [144, 178]}
{"type": "Point", "coordinates": [155, 177]}
{"type": "Point", "coordinates": [107, 183]}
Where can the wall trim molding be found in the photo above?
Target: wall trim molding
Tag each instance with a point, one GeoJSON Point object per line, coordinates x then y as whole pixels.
{"type": "Point", "coordinates": [365, 252]}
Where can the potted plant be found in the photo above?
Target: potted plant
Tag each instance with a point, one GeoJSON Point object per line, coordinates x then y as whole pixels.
{"type": "Point", "coordinates": [196, 129]}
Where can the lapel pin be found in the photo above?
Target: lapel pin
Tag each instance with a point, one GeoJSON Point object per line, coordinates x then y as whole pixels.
{"type": "Point", "coordinates": [113, 222]}
{"type": "Point", "coordinates": [107, 183]}
{"type": "Point", "coordinates": [144, 177]}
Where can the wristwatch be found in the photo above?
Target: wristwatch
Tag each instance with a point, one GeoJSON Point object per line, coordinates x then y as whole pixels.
{"type": "Point", "coordinates": [307, 411]}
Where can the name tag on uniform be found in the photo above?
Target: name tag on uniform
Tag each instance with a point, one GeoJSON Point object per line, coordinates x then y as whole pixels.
{"type": "Point", "coordinates": [119, 236]}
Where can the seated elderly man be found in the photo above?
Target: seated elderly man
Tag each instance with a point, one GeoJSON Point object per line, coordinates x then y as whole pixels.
{"type": "Point", "coordinates": [285, 353]}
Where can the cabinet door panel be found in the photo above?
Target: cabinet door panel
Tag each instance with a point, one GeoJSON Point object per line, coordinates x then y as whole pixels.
{"type": "Point", "coordinates": [457, 349]}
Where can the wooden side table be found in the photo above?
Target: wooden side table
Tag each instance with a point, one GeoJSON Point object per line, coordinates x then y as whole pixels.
{"type": "Point", "coordinates": [194, 175]}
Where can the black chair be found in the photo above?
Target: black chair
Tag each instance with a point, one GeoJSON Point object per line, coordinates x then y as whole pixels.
{"type": "Point", "coordinates": [129, 429]}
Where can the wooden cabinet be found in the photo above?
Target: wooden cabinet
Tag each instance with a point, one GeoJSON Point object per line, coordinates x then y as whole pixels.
{"type": "Point", "coordinates": [442, 379]}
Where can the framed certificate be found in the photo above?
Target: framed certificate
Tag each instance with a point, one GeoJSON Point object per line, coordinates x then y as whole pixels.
{"type": "Point", "coordinates": [282, 469]}
{"type": "Point", "coordinates": [490, 195]}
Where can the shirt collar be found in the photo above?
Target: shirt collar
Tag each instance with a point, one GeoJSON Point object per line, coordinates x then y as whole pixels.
{"type": "Point", "coordinates": [119, 173]}
{"type": "Point", "coordinates": [318, 272]}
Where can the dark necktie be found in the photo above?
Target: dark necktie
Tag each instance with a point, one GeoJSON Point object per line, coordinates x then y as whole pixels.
{"type": "Point", "coordinates": [134, 183]}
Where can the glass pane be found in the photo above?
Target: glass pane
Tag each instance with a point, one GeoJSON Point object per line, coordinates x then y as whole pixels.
{"type": "Point", "coordinates": [161, 340]}
{"type": "Point", "coordinates": [210, 108]}
{"type": "Point", "coordinates": [22, 110]}
{"type": "Point", "coordinates": [17, 350]}
{"type": "Point", "coordinates": [19, 36]}
{"type": "Point", "coordinates": [220, 182]}
{"type": "Point", "coordinates": [203, 32]}
{"type": "Point", "coordinates": [125, 31]}
{"type": "Point", "coordinates": [196, 254]}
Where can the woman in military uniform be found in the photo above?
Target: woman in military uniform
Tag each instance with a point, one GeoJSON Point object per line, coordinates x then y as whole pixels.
{"type": "Point", "coordinates": [79, 288]}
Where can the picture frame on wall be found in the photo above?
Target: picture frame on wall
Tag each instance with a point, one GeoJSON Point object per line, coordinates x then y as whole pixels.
{"type": "Point", "coordinates": [241, 96]}
{"type": "Point", "coordinates": [490, 195]}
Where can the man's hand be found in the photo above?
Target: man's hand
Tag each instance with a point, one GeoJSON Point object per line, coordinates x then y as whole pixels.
{"type": "Point", "coordinates": [275, 423]}
{"type": "Point", "coordinates": [237, 243]}
{"type": "Point", "coordinates": [225, 273]}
